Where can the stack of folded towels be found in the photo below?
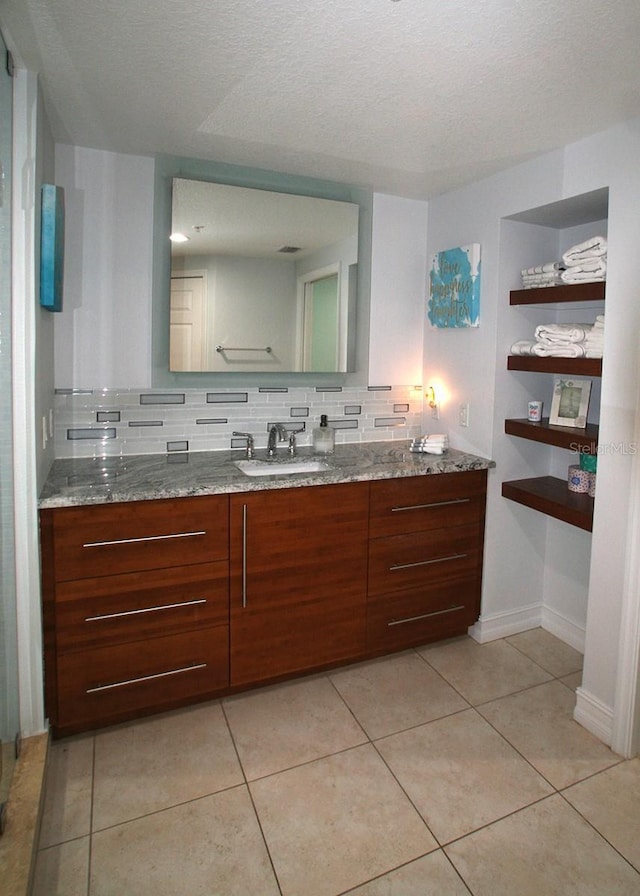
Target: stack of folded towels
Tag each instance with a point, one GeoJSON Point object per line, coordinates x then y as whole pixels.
{"type": "Point", "coordinates": [564, 341]}
{"type": "Point", "coordinates": [586, 262]}
{"type": "Point", "coordinates": [549, 274]}
{"type": "Point", "coordinates": [435, 444]}
{"type": "Point", "coordinates": [595, 338]}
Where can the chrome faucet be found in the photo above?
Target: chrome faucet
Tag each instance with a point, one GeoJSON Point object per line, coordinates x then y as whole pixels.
{"type": "Point", "coordinates": [249, 437]}
{"type": "Point", "coordinates": [276, 430]}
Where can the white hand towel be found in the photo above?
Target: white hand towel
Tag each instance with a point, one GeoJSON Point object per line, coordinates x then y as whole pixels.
{"type": "Point", "coordinates": [562, 333]}
{"type": "Point", "coordinates": [522, 347]}
{"type": "Point", "coordinates": [593, 353]}
{"type": "Point", "coordinates": [427, 449]}
{"type": "Point", "coordinates": [567, 350]}
{"type": "Point", "coordinates": [596, 246]}
{"type": "Point", "coordinates": [570, 276]}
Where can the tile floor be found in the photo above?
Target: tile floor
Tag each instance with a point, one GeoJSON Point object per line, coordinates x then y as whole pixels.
{"type": "Point", "coordinates": [447, 770]}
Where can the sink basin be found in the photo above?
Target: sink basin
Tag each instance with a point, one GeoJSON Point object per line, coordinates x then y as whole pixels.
{"type": "Point", "coordinates": [282, 467]}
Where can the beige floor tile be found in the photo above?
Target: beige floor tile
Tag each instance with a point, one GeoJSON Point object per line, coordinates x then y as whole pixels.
{"type": "Point", "coordinates": [155, 763]}
{"type": "Point", "coordinates": [278, 727]}
{"type": "Point", "coordinates": [460, 774]}
{"type": "Point", "coordinates": [482, 672]}
{"type": "Point", "coordinates": [611, 802]}
{"type": "Point", "coordinates": [547, 651]}
{"type": "Point", "coordinates": [62, 870]}
{"type": "Point", "coordinates": [572, 681]}
{"type": "Point", "coordinates": [543, 850]}
{"type": "Point", "coordinates": [66, 812]}
{"type": "Point", "coordinates": [539, 723]}
{"type": "Point", "coordinates": [337, 822]}
{"type": "Point", "coordinates": [209, 846]}
{"type": "Point", "coordinates": [395, 693]}
{"type": "Point", "coordinates": [432, 875]}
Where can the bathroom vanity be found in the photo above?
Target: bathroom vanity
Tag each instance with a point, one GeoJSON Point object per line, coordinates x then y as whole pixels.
{"type": "Point", "coordinates": [172, 580]}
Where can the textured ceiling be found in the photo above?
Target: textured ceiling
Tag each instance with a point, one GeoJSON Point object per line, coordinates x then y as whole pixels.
{"type": "Point", "coordinates": [412, 97]}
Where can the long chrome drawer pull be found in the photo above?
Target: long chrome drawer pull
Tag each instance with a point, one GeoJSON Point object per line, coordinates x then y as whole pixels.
{"type": "Point", "coordinates": [186, 603]}
{"type": "Point", "coordinates": [102, 544]}
{"type": "Point", "coordinates": [121, 684]}
{"type": "Point", "coordinates": [244, 556]}
{"type": "Point", "coordinates": [427, 562]}
{"type": "Point", "coordinates": [435, 504]}
{"type": "Point", "coordinates": [425, 616]}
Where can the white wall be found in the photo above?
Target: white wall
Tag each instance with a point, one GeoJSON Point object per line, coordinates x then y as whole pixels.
{"type": "Point", "coordinates": [103, 336]}
{"type": "Point", "coordinates": [524, 550]}
{"type": "Point", "coordinates": [398, 272]}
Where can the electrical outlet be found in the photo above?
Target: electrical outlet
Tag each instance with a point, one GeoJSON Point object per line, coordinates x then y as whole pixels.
{"type": "Point", "coordinates": [463, 414]}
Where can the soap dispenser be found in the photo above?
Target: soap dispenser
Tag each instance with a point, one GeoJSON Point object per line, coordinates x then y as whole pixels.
{"type": "Point", "coordinates": [323, 437]}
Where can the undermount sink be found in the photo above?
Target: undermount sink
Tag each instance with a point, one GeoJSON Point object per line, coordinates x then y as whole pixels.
{"type": "Point", "coordinates": [282, 467]}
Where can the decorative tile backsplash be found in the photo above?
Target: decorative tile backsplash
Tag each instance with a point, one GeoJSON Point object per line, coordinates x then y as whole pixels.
{"type": "Point", "coordinates": [157, 422]}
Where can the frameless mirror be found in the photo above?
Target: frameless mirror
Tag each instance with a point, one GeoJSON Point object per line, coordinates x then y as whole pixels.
{"type": "Point", "coordinates": [261, 281]}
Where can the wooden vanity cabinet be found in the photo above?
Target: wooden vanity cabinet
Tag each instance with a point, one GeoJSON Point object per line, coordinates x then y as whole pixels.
{"type": "Point", "coordinates": [298, 579]}
{"type": "Point", "coordinates": [425, 558]}
{"type": "Point", "coordinates": [135, 606]}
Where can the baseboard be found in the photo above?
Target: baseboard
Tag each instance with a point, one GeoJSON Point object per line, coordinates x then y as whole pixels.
{"type": "Point", "coordinates": [558, 625]}
{"type": "Point", "coordinates": [511, 622]}
{"type": "Point", "coordinates": [593, 715]}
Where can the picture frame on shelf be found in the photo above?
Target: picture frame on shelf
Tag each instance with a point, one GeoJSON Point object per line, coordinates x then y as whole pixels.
{"type": "Point", "coordinates": [570, 403]}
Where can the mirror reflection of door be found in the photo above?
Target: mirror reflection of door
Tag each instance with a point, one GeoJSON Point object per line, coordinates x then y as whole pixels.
{"type": "Point", "coordinates": [321, 320]}
{"type": "Point", "coordinates": [188, 341]}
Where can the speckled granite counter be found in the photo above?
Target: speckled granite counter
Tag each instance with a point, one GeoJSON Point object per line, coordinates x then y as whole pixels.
{"type": "Point", "coordinates": [150, 476]}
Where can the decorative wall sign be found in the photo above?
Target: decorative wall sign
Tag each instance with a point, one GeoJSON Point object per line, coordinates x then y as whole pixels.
{"type": "Point", "coordinates": [52, 247]}
{"type": "Point", "coordinates": [454, 288]}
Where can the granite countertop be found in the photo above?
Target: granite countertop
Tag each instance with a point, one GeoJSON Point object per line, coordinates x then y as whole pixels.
{"type": "Point", "coordinates": [141, 477]}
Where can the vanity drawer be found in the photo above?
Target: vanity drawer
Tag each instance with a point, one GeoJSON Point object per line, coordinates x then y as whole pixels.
{"type": "Point", "coordinates": [108, 684]}
{"type": "Point", "coordinates": [420, 503]}
{"type": "Point", "coordinates": [405, 619]}
{"type": "Point", "coordinates": [118, 538]}
{"type": "Point", "coordinates": [401, 562]}
{"type": "Point", "coordinates": [132, 606]}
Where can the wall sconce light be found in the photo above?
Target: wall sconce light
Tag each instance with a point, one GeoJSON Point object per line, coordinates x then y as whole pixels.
{"type": "Point", "coordinates": [431, 397]}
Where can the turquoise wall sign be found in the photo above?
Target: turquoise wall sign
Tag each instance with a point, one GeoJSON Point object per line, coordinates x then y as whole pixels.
{"type": "Point", "coordinates": [454, 288]}
{"type": "Point", "coordinates": [52, 247]}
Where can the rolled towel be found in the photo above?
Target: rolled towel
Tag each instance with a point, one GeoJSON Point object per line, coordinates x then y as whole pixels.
{"type": "Point", "coordinates": [549, 268]}
{"type": "Point", "coordinates": [562, 333]}
{"type": "Point", "coordinates": [594, 247]}
{"type": "Point", "coordinates": [522, 347]}
{"type": "Point", "coordinates": [593, 353]}
{"type": "Point", "coordinates": [566, 350]}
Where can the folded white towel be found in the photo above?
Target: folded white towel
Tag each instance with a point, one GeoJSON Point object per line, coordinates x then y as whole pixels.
{"type": "Point", "coordinates": [596, 246]}
{"type": "Point", "coordinates": [566, 350]}
{"type": "Point", "coordinates": [569, 276]}
{"type": "Point", "coordinates": [562, 333]}
{"type": "Point", "coordinates": [593, 353]}
{"type": "Point", "coordinates": [599, 320]}
{"type": "Point", "coordinates": [427, 449]}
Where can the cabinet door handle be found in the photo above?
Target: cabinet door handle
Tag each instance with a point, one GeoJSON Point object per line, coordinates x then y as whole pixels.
{"type": "Point", "coordinates": [434, 504]}
{"type": "Point", "coordinates": [122, 684]}
{"type": "Point", "coordinates": [425, 615]}
{"type": "Point", "coordinates": [102, 544]}
{"type": "Point", "coordinates": [186, 603]}
{"type": "Point", "coordinates": [427, 562]}
{"type": "Point", "coordinates": [244, 556]}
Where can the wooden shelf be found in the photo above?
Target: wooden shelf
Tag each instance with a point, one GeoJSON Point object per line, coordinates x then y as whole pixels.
{"type": "Point", "coordinates": [569, 292]}
{"type": "Point", "coordinates": [551, 496]}
{"type": "Point", "coordinates": [570, 366]}
{"type": "Point", "coordinates": [569, 437]}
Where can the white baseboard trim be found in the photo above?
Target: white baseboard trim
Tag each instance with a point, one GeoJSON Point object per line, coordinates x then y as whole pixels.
{"type": "Point", "coordinates": [593, 715]}
{"type": "Point", "coordinates": [563, 628]}
{"type": "Point", "coordinates": [510, 622]}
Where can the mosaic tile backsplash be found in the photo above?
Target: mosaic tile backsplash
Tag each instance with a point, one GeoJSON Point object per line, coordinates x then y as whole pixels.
{"type": "Point", "coordinates": [101, 423]}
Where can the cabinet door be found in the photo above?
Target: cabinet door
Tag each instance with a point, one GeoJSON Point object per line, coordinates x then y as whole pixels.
{"type": "Point", "coordinates": [298, 579]}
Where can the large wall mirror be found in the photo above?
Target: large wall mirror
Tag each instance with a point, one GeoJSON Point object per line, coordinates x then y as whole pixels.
{"type": "Point", "coordinates": [261, 281]}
